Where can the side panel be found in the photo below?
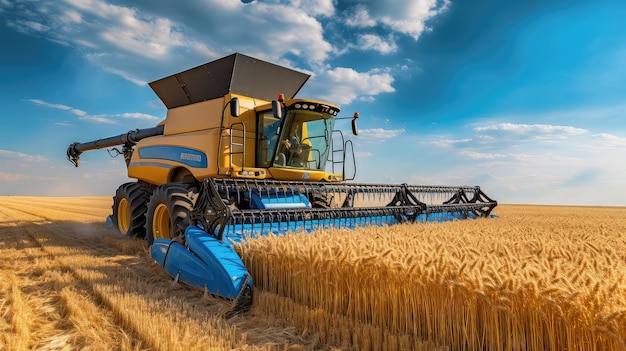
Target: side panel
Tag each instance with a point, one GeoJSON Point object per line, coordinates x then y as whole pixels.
{"type": "Point", "coordinates": [208, 114]}
{"type": "Point", "coordinates": [195, 117]}
{"type": "Point", "coordinates": [154, 159]}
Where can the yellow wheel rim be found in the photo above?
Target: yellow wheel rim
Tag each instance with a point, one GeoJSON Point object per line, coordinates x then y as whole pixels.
{"type": "Point", "coordinates": [123, 216]}
{"type": "Point", "coordinates": [161, 226]}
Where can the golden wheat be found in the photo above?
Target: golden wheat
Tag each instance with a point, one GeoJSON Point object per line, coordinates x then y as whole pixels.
{"type": "Point", "coordinates": [537, 278]}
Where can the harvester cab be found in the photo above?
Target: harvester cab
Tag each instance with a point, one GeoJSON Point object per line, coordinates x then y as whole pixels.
{"type": "Point", "coordinates": [297, 141]}
{"type": "Point", "coordinates": [237, 156]}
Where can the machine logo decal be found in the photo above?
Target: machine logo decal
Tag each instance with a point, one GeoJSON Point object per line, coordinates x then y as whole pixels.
{"type": "Point", "coordinates": [187, 156]}
{"type": "Point", "coordinates": [306, 176]}
{"type": "Point", "coordinates": [190, 157]}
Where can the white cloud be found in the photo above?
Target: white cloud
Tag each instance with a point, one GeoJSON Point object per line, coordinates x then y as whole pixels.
{"type": "Point", "coordinates": [144, 40]}
{"type": "Point", "coordinates": [315, 7]}
{"type": "Point", "coordinates": [376, 43]}
{"type": "Point", "coordinates": [25, 26]}
{"type": "Point", "coordinates": [532, 128]}
{"type": "Point", "coordinates": [403, 16]}
{"type": "Point", "coordinates": [360, 17]}
{"type": "Point", "coordinates": [71, 17]}
{"type": "Point", "coordinates": [78, 112]}
{"type": "Point", "coordinates": [137, 115]}
{"type": "Point", "coordinates": [47, 104]}
{"type": "Point", "coordinates": [379, 134]}
{"type": "Point", "coordinates": [446, 143]}
{"type": "Point", "coordinates": [101, 118]}
{"type": "Point", "coordinates": [494, 156]}
{"type": "Point", "coordinates": [343, 85]}
{"type": "Point", "coordinates": [610, 140]}
{"type": "Point", "coordinates": [13, 155]}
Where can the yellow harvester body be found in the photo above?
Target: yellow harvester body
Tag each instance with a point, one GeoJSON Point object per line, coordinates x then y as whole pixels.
{"type": "Point", "coordinates": [197, 142]}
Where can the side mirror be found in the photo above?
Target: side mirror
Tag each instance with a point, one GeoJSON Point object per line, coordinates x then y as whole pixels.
{"type": "Point", "coordinates": [277, 109]}
{"type": "Point", "coordinates": [355, 127]}
{"type": "Point", "coordinates": [234, 107]}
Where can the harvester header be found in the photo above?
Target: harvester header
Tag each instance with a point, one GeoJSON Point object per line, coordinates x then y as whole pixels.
{"type": "Point", "coordinates": [239, 155]}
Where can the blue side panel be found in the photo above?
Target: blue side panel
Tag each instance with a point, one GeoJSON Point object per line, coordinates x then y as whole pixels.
{"type": "Point", "coordinates": [206, 264]}
{"type": "Point", "coordinates": [188, 267]}
{"type": "Point", "coordinates": [278, 200]}
{"type": "Point", "coordinates": [159, 249]}
{"type": "Point", "coordinates": [230, 273]}
{"type": "Point", "coordinates": [187, 156]}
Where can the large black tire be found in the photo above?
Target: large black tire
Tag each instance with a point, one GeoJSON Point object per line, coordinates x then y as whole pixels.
{"type": "Point", "coordinates": [129, 210]}
{"type": "Point", "coordinates": [321, 200]}
{"type": "Point", "coordinates": [168, 211]}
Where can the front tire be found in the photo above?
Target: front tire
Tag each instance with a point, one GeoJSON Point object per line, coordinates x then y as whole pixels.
{"type": "Point", "coordinates": [321, 200]}
{"type": "Point", "coordinates": [168, 211]}
{"type": "Point", "coordinates": [129, 210]}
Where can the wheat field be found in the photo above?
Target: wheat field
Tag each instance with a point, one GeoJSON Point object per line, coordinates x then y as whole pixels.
{"type": "Point", "coordinates": [536, 278]}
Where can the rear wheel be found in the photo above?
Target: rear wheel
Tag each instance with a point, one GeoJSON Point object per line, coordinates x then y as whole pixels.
{"type": "Point", "coordinates": [129, 209]}
{"type": "Point", "coordinates": [168, 211]}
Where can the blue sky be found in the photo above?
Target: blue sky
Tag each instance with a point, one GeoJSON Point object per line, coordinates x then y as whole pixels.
{"type": "Point", "coordinates": [524, 98]}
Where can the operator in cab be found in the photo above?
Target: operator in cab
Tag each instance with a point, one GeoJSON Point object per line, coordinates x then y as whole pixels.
{"type": "Point", "coordinates": [293, 149]}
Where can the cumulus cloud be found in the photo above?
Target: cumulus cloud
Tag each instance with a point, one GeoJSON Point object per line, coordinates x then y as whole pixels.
{"type": "Point", "coordinates": [145, 40]}
{"type": "Point", "coordinates": [359, 17]}
{"type": "Point", "coordinates": [343, 85]}
{"type": "Point", "coordinates": [375, 42]}
{"type": "Point", "coordinates": [101, 118]}
{"type": "Point", "coordinates": [140, 40]}
{"type": "Point", "coordinates": [403, 16]}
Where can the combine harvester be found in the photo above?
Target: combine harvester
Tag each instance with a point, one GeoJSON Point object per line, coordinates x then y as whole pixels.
{"type": "Point", "coordinates": [229, 162]}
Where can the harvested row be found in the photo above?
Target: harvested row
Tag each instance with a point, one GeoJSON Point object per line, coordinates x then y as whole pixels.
{"type": "Point", "coordinates": [71, 284]}
{"type": "Point", "coordinates": [89, 209]}
{"type": "Point", "coordinates": [45, 308]}
{"type": "Point", "coordinates": [538, 278]}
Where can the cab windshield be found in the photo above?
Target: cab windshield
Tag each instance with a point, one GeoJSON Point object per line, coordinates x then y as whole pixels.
{"type": "Point", "coordinates": [303, 142]}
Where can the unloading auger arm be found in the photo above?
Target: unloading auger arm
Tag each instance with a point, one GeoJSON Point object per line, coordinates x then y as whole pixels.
{"type": "Point", "coordinates": [127, 139]}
